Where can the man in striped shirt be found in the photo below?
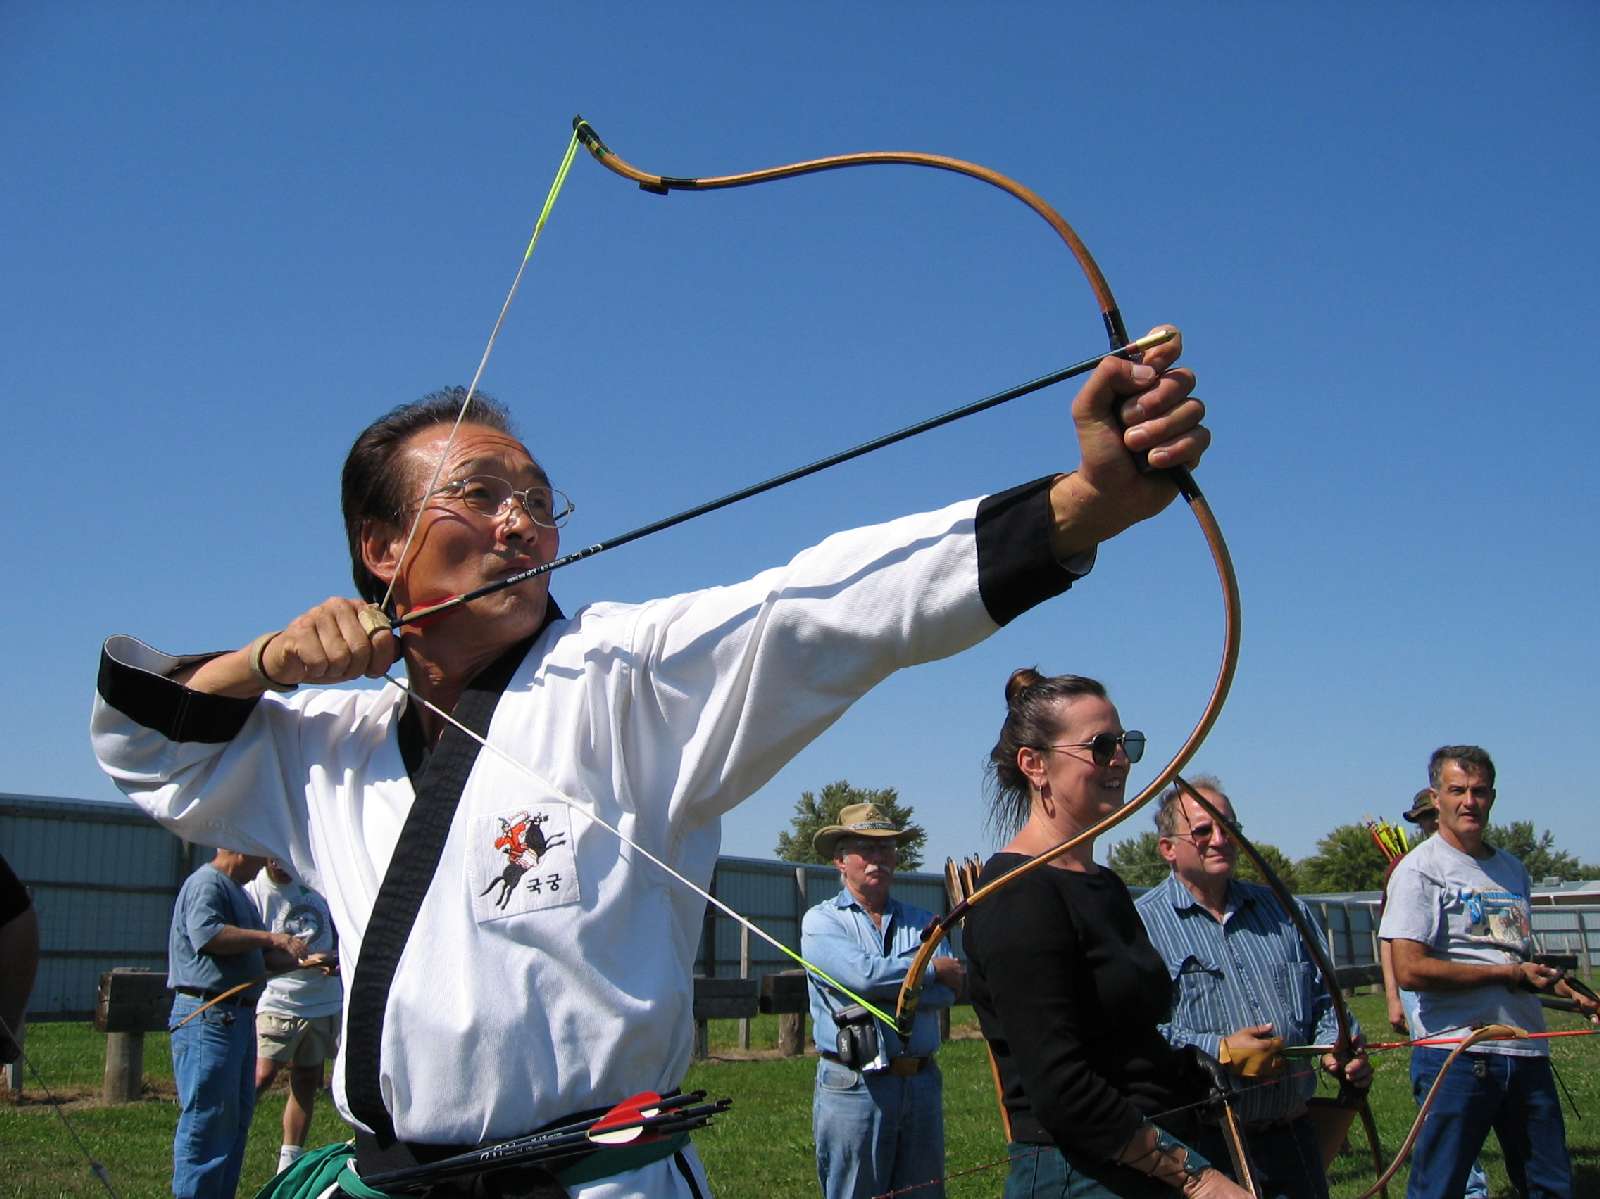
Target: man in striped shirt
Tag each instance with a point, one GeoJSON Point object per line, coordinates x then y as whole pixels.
{"type": "Point", "coordinates": [1243, 985]}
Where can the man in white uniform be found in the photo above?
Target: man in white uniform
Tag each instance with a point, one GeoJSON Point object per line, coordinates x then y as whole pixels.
{"type": "Point", "coordinates": [508, 962]}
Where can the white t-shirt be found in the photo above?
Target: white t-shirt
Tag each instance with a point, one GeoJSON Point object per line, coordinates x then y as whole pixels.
{"type": "Point", "coordinates": [296, 909]}
{"type": "Point", "coordinates": [1467, 909]}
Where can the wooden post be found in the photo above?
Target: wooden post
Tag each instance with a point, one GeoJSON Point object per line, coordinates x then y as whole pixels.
{"type": "Point", "coordinates": [130, 1004]}
{"type": "Point", "coordinates": [720, 999]}
{"type": "Point", "coordinates": [784, 992]}
{"type": "Point", "coordinates": [124, 1077]}
{"type": "Point", "coordinates": [744, 972]}
{"type": "Point", "coordinates": [13, 1072]}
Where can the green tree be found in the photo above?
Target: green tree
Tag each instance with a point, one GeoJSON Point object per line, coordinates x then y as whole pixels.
{"type": "Point", "coordinates": [1535, 850]}
{"type": "Point", "coordinates": [1138, 862]}
{"type": "Point", "coordinates": [1282, 865]}
{"type": "Point", "coordinates": [1346, 860]}
{"type": "Point", "coordinates": [813, 812]}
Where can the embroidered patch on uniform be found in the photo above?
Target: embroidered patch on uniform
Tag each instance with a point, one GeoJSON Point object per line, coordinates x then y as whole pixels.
{"type": "Point", "coordinates": [521, 861]}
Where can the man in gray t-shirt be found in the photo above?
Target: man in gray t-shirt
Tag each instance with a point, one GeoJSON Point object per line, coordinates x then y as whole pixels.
{"type": "Point", "coordinates": [1460, 935]}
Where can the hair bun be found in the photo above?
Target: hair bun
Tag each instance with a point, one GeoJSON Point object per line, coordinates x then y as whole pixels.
{"type": "Point", "coordinates": [1021, 679]}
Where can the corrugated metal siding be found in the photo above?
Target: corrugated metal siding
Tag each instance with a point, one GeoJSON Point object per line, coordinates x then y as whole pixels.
{"type": "Point", "coordinates": [104, 877]}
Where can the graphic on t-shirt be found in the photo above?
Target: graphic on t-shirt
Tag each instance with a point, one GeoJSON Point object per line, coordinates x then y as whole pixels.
{"type": "Point", "coordinates": [522, 862]}
{"type": "Point", "coordinates": [1498, 918]}
{"type": "Point", "coordinates": [304, 920]}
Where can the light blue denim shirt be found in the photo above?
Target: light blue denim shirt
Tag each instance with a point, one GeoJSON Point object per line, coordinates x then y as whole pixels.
{"type": "Point", "coordinates": [1251, 968]}
{"type": "Point", "coordinates": [839, 937]}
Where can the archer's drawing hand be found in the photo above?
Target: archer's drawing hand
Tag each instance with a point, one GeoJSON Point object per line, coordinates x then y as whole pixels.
{"type": "Point", "coordinates": [1127, 409]}
{"type": "Point", "coordinates": [1252, 1052]}
{"type": "Point", "coordinates": [1531, 976]}
{"type": "Point", "coordinates": [328, 644]}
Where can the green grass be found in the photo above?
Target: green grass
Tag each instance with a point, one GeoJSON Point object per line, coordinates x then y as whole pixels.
{"type": "Point", "coordinates": [759, 1150]}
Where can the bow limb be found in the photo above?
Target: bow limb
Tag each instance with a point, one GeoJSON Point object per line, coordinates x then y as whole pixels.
{"type": "Point", "coordinates": [1344, 1045]}
{"type": "Point", "coordinates": [216, 999]}
{"type": "Point", "coordinates": [1488, 1032]}
{"type": "Point", "coordinates": [1116, 330]}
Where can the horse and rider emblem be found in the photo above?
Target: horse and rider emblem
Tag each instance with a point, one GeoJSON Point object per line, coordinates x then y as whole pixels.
{"type": "Point", "coordinates": [522, 861]}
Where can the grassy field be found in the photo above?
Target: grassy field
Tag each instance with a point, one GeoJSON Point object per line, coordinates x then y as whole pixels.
{"type": "Point", "coordinates": [759, 1150]}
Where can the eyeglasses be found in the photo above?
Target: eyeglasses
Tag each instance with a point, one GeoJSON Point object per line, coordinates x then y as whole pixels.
{"type": "Point", "coordinates": [1102, 747]}
{"type": "Point", "coordinates": [489, 494]}
{"type": "Point", "coordinates": [1202, 833]}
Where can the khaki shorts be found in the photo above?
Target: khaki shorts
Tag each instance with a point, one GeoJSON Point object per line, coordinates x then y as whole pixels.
{"type": "Point", "coordinates": [300, 1042]}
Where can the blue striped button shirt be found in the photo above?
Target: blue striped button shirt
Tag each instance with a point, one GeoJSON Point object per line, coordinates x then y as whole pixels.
{"type": "Point", "coordinates": [1249, 968]}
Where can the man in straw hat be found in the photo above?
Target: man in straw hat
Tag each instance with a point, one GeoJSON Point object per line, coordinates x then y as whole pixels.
{"type": "Point", "coordinates": [878, 1110]}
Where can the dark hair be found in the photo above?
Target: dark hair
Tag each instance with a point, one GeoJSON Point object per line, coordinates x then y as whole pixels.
{"type": "Point", "coordinates": [1467, 756]}
{"type": "Point", "coordinates": [1032, 720]}
{"type": "Point", "coordinates": [371, 488]}
{"type": "Point", "coordinates": [1167, 806]}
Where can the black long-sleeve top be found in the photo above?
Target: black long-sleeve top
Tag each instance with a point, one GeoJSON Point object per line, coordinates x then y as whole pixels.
{"type": "Point", "coordinates": [1070, 992]}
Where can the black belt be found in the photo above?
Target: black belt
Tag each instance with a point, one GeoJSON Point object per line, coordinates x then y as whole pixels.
{"type": "Point", "coordinates": [242, 999]}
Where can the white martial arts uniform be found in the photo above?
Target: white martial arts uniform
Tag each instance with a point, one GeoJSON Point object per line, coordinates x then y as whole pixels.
{"type": "Point", "coordinates": [536, 983]}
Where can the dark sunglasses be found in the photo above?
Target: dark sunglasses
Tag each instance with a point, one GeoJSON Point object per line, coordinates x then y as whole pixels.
{"type": "Point", "coordinates": [1102, 747]}
{"type": "Point", "coordinates": [1202, 833]}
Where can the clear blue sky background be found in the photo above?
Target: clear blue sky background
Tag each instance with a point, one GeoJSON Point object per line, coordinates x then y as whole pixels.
{"type": "Point", "coordinates": [234, 234]}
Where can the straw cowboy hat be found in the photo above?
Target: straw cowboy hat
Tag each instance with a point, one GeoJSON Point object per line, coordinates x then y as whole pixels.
{"type": "Point", "coordinates": [857, 820]}
{"type": "Point", "coordinates": [1422, 804]}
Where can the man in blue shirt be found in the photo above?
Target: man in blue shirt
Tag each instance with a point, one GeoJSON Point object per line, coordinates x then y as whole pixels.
{"type": "Point", "coordinates": [1243, 983]}
{"type": "Point", "coordinates": [216, 944]}
{"type": "Point", "coordinates": [878, 1110]}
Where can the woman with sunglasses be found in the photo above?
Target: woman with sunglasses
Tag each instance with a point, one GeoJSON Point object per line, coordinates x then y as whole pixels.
{"type": "Point", "coordinates": [1067, 986]}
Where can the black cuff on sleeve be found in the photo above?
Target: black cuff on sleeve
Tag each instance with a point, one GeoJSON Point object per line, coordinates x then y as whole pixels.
{"type": "Point", "coordinates": [1017, 567]}
{"type": "Point", "coordinates": [170, 708]}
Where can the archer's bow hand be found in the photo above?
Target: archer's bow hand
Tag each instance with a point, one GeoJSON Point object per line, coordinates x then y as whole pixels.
{"type": "Point", "coordinates": [1574, 988]}
{"type": "Point", "coordinates": [1126, 410]}
{"type": "Point", "coordinates": [1353, 1069]}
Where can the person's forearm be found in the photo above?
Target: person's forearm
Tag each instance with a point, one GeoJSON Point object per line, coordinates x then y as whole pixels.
{"type": "Point", "coordinates": [1391, 988]}
{"type": "Point", "coordinates": [230, 939]}
{"type": "Point", "coordinates": [1418, 970]}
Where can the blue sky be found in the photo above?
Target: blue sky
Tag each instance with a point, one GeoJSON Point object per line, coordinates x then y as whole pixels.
{"type": "Point", "coordinates": [234, 234]}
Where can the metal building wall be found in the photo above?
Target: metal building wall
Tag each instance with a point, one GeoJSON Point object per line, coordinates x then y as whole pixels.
{"type": "Point", "coordinates": [103, 878]}
{"type": "Point", "coordinates": [775, 896]}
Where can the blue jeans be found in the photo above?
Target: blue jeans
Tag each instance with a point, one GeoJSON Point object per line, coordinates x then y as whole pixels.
{"type": "Point", "coordinates": [1477, 1181]}
{"type": "Point", "coordinates": [877, 1132]}
{"type": "Point", "coordinates": [213, 1061]}
{"type": "Point", "coordinates": [1515, 1096]}
{"type": "Point", "coordinates": [1043, 1172]}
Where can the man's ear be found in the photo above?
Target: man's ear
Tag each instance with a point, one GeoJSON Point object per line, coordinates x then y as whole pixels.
{"type": "Point", "coordinates": [381, 545]}
{"type": "Point", "coordinates": [1166, 849]}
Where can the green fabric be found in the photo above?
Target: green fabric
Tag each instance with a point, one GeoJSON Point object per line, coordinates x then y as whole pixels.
{"type": "Point", "coordinates": [318, 1169]}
